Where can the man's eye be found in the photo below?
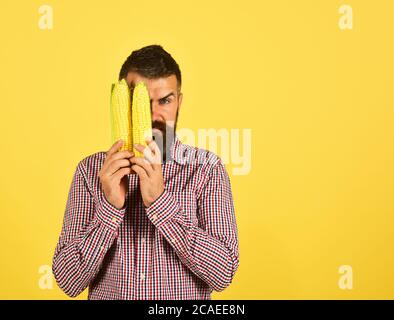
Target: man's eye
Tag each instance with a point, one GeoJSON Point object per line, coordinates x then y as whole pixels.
{"type": "Point", "coordinates": [165, 101]}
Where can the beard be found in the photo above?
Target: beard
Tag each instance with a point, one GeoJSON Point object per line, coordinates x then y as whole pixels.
{"type": "Point", "coordinates": [164, 136]}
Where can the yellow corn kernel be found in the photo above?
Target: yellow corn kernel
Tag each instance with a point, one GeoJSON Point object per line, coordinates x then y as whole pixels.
{"type": "Point", "coordinates": [141, 116]}
{"type": "Point", "coordinates": [121, 125]}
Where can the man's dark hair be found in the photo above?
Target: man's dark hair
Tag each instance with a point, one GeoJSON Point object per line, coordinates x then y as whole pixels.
{"type": "Point", "coordinates": [151, 62]}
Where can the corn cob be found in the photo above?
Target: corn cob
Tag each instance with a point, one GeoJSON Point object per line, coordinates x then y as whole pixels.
{"type": "Point", "coordinates": [141, 116]}
{"type": "Point", "coordinates": [121, 125]}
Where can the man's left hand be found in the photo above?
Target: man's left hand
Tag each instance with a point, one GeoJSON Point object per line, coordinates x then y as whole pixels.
{"type": "Point", "coordinates": [149, 171]}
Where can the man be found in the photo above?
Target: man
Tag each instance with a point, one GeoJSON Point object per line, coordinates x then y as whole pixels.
{"type": "Point", "coordinates": [143, 228]}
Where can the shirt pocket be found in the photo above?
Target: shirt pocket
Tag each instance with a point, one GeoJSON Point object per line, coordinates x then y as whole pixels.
{"type": "Point", "coordinates": [187, 205]}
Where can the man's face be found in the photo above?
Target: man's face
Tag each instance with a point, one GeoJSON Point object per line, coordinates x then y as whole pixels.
{"type": "Point", "coordinates": [165, 103]}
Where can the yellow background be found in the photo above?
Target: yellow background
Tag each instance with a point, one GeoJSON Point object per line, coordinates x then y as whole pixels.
{"type": "Point", "coordinates": [319, 101]}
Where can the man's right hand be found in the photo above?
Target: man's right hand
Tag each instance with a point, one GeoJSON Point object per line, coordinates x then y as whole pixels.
{"type": "Point", "coordinates": [113, 175]}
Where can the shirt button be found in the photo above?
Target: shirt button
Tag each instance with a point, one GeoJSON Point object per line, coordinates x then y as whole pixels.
{"type": "Point", "coordinates": [114, 220]}
{"type": "Point", "coordinates": [173, 240]}
{"type": "Point", "coordinates": [154, 217]}
{"type": "Point", "coordinates": [101, 248]}
{"type": "Point", "coordinates": [142, 276]}
{"type": "Point", "coordinates": [143, 240]}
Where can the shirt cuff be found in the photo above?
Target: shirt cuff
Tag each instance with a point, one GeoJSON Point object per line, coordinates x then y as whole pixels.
{"type": "Point", "coordinates": [162, 209]}
{"type": "Point", "coordinates": [109, 215]}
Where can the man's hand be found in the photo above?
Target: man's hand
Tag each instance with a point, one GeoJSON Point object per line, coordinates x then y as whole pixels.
{"type": "Point", "coordinates": [113, 175]}
{"type": "Point", "coordinates": [149, 171]}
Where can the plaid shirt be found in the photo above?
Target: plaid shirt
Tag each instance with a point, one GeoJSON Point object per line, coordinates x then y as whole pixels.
{"type": "Point", "coordinates": [184, 246]}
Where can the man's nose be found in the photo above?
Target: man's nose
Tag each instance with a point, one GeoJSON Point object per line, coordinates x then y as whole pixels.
{"type": "Point", "coordinates": [155, 113]}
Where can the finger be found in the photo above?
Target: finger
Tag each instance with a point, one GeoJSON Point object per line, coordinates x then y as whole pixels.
{"type": "Point", "coordinates": [118, 175]}
{"type": "Point", "coordinates": [143, 149]}
{"type": "Point", "coordinates": [115, 147]}
{"type": "Point", "coordinates": [142, 162]}
{"type": "Point", "coordinates": [151, 144]}
{"type": "Point", "coordinates": [116, 165]}
{"type": "Point", "coordinates": [146, 152]}
{"type": "Point", "coordinates": [156, 151]}
{"type": "Point", "coordinates": [139, 147]}
{"type": "Point", "coordinates": [121, 155]}
{"type": "Point", "coordinates": [139, 171]}
{"type": "Point", "coordinates": [150, 154]}
{"type": "Point", "coordinates": [117, 156]}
